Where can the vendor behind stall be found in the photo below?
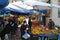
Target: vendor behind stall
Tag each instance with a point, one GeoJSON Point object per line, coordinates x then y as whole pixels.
{"type": "Point", "coordinates": [51, 24]}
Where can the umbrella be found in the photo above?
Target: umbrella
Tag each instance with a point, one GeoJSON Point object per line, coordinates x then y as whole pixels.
{"type": "Point", "coordinates": [3, 3]}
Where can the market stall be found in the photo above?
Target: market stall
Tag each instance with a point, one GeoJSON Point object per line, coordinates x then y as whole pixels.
{"type": "Point", "coordinates": [36, 29]}
{"type": "Point", "coordinates": [43, 33]}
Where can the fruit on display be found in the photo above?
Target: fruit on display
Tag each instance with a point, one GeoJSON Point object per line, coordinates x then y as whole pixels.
{"type": "Point", "coordinates": [20, 19]}
{"type": "Point", "coordinates": [36, 30]}
{"type": "Point", "coordinates": [41, 30]}
{"type": "Point", "coordinates": [54, 31]}
{"type": "Point", "coordinates": [47, 32]}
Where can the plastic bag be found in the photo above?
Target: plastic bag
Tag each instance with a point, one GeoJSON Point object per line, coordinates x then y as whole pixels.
{"type": "Point", "coordinates": [6, 37]}
{"type": "Point", "coordinates": [26, 36]}
{"type": "Point", "coordinates": [58, 36]}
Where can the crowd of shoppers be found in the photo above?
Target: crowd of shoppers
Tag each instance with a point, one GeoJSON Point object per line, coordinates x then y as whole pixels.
{"type": "Point", "coordinates": [11, 25]}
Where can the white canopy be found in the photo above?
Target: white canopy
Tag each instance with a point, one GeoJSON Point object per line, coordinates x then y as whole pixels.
{"type": "Point", "coordinates": [19, 7]}
{"type": "Point", "coordinates": [33, 3]}
{"type": "Point", "coordinates": [19, 4]}
{"type": "Point", "coordinates": [53, 5]}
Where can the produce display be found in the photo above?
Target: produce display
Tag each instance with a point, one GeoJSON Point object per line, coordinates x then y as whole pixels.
{"type": "Point", "coordinates": [36, 29]}
{"type": "Point", "coordinates": [54, 31]}
{"type": "Point", "coordinates": [20, 19]}
{"type": "Point", "coordinates": [39, 30]}
{"type": "Point", "coordinates": [47, 32]}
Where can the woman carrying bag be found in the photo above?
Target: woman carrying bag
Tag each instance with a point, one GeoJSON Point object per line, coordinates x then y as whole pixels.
{"type": "Point", "coordinates": [24, 30]}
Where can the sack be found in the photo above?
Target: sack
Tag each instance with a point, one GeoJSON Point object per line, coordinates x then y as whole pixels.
{"type": "Point", "coordinates": [6, 37]}
{"type": "Point", "coordinates": [26, 35]}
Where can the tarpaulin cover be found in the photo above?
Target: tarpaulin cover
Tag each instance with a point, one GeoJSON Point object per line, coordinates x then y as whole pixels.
{"type": "Point", "coordinates": [41, 10]}
{"type": "Point", "coordinates": [19, 9]}
{"type": "Point", "coordinates": [3, 3]}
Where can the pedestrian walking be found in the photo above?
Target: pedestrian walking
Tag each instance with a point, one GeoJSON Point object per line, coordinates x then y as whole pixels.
{"type": "Point", "coordinates": [24, 28]}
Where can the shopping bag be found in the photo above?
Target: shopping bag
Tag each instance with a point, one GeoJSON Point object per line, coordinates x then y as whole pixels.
{"type": "Point", "coordinates": [58, 36]}
{"type": "Point", "coordinates": [6, 37]}
{"type": "Point", "coordinates": [26, 35]}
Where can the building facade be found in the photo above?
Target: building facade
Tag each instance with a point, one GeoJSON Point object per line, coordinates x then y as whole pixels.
{"type": "Point", "coordinates": [54, 13]}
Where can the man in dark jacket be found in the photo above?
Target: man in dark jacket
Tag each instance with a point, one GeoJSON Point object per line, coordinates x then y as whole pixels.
{"type": "Point", "coordinates": [51, 24]}
{"type": "Point", "coordinates": [14, 25]}
{"type": "Point", "coordinates": [6, 30]}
